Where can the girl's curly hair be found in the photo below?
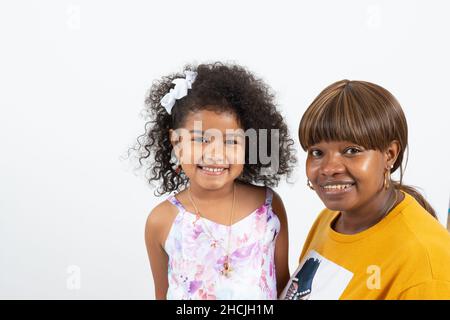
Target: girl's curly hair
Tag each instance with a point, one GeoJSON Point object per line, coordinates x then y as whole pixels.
{"type": "Point", "coordinates": [219, 87]}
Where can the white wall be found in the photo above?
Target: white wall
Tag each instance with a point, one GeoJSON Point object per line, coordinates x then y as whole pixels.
{"type": "Point", "coordinates": [73, 77]}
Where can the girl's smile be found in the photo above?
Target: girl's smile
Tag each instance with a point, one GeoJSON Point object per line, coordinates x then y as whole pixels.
{"type": "Point", "coordinates": [210, 155]}
{"type": "Point", "coordinates": [213, 170]}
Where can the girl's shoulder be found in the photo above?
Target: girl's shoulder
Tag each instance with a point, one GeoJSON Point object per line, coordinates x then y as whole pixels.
{"type": "Point", "coordinates": [160, 219]}
{"type": "Point", "coordinates": [251, 196]}
{"type": "Point", "coordinates": [252, 190]}
{"type": "Point", "coordinates": [163, 209]}
{"type": "Point", "coordinates": [262, 194]}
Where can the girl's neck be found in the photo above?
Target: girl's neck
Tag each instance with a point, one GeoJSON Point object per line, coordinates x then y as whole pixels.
{"type": "Point", "coordinates": [360, 219]}
{"type": "Point", "coordinates": [207, 195]}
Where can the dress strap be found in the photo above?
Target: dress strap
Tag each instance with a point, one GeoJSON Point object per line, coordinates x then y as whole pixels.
{"type": "Point", "coordinates": [269, 196]}
{"type": "Point", "coordinates": [173, 200]}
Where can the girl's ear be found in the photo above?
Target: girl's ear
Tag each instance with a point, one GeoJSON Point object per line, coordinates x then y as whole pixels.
{"type": "Point", "coordinates": [175, 139]}
{"type": "Point", "coordinates": [391, 153]}
{"type": "Point", "coordinates": [176, 136]}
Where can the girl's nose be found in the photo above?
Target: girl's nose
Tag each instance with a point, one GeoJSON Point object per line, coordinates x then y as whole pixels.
{"type": "Point", "coordinates": [214, 152]}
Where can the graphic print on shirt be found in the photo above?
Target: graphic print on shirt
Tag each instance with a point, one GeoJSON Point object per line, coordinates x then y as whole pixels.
{"type": "Point", "coordinates": [317, 278]}
{"type": "Point", "coordinates": [301, 282]}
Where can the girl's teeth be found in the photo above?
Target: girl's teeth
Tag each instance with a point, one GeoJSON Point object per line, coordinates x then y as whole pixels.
{"type": "Point", "coordinates": [213, 169]}
{"type": "Point", "coordinates": [337, 187]}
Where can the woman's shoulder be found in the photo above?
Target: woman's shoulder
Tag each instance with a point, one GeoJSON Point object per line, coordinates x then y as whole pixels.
{"type": "Point", "coordinates": [425, 239]}
{"type": "Point", "coordinates": [322, 221]}
{"type": "Point", "coordinates": [421, 223]}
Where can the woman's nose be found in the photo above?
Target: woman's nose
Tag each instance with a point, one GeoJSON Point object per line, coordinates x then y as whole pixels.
{"type": "Point", "coordinates": [332, 164]}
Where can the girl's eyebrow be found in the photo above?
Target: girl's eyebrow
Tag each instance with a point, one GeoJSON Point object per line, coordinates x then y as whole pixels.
{"type": "Point", "coordinates": [233, 134]}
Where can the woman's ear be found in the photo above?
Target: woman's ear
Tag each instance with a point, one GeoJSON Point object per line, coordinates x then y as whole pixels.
{"type": "Point", "coordinates": [391, 153]}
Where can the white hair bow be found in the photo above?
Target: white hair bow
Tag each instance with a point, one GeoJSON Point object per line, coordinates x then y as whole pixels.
{"type": "Point", "coordinates": [179, 91]}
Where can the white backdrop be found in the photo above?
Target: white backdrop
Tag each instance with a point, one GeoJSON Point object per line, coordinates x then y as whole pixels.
{"type": "Point", "coordinates": [73, 77]}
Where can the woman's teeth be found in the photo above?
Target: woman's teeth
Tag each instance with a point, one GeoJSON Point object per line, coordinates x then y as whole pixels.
{"type": "Point", "coordinates": [337, 186]}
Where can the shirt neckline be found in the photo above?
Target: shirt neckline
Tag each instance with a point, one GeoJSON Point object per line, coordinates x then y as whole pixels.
{"type": "Point", "coordinates": [341, 237]}
{"type": "Point", "coordinates": [209, 221]}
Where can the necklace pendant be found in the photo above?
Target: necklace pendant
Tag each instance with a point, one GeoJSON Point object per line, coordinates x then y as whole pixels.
{"type": "Point", "coordinates": [226, 269]}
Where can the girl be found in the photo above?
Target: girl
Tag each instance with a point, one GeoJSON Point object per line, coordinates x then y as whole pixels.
{"type": "Point", "coordinates": [220, 236]}
{"type": "Point", "coordinates": [376, 239]}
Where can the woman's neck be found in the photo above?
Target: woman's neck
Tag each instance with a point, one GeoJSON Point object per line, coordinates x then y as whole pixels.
{"type": "Point", "coordinates": [369, 214]}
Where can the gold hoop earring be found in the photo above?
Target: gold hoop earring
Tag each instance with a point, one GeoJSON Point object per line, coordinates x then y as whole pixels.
{"type": "Point", "coordinates": [387, 178]}
{"type": "Point", "coordinates": [309, 184]}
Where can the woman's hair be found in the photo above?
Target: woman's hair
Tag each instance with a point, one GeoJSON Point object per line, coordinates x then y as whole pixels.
{"type": "Point", "coordinates": [361, 112]}
{"type": "Point", "coordinates": [218, 87]}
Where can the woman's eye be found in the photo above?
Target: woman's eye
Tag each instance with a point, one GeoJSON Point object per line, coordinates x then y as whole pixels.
{"type": "Point", "coordinates": [352, 150]}
{"type": "Point", "coordinates": [315, 153]}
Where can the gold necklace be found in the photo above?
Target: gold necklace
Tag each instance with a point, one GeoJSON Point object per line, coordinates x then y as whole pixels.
{"type": "Point", "coordinates": [381, 218]}
{"type": "Point", "coordinates": [227, 264]}
{"type": "Point", "coordinates": [391, 207]}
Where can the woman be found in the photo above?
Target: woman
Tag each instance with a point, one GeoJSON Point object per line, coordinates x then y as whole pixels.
{"type": "Point", "coordinates": [376, 239]}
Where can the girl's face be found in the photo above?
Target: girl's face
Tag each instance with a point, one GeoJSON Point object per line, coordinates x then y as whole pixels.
{"type": "Point", "coordinates": [346, 176]}
{"type": "Point", "coordinates": [210, 148]}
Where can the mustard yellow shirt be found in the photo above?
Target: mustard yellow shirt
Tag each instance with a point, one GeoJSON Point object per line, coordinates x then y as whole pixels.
{"type": "Point", "coordinates": [404, 256]}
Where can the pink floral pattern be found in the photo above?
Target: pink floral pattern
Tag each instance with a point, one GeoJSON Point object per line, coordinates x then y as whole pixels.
{"type": "Point", "coordinates": [196, 260]}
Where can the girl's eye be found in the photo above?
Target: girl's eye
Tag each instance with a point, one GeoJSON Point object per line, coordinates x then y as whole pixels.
{"type": "Point", "coordinates": [352, 151]}
{"type": "Point", "coordinates": [200, 139]}
{"type": "Point", "coordinates": [231, 141]}
{"type": "Point", "coordinates": [315, 153]}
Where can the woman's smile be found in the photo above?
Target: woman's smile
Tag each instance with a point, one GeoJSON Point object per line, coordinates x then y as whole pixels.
{"type": "Point", "coordinates": [333, 189]}
{"type": "Point", "coordinates": [345, 175]}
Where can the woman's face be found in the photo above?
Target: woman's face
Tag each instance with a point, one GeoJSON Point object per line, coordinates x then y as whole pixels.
{"type": "Point", "coordinates": [346, 176]}
{"type": "Point", "coordinates": [211, 148]}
